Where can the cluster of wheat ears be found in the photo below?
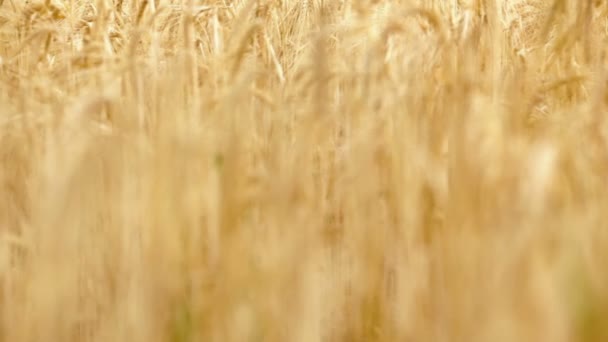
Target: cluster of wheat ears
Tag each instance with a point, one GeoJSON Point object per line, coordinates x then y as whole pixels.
{"type": "Point", "coordinates": [320, 170]}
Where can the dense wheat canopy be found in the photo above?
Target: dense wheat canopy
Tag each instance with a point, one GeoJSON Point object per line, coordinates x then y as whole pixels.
{"type": "Point", "coordinates": [282, 170]}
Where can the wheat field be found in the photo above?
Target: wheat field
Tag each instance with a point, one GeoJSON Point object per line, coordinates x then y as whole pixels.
{"type": "Point", "coordinates": [313, 170]}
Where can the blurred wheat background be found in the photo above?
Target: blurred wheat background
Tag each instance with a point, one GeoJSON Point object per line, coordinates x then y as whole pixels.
{"type": "Point", "coordinates": [320, 170]}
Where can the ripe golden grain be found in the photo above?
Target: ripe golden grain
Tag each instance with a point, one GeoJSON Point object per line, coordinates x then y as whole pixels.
{"type": "Point", "coordinates": [353, 170]}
